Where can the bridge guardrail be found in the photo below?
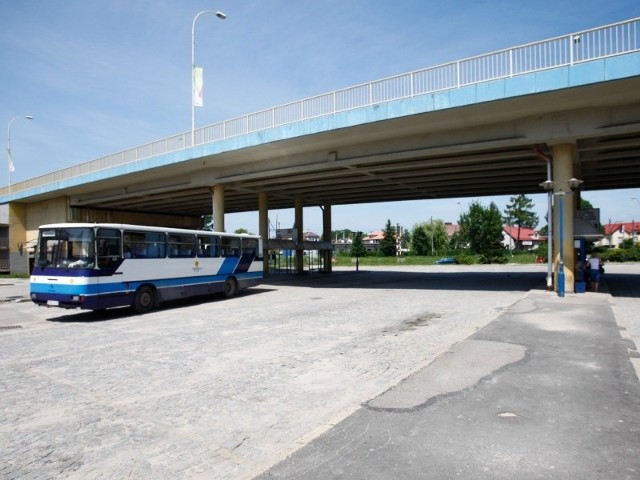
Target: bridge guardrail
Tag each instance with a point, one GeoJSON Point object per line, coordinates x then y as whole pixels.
{"type": "Point", "coordinates": [579, 47]}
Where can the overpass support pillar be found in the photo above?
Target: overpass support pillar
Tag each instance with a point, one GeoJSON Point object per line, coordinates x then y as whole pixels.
{"type": "Point", "coordinates": [326, 237]}
{"type": "Point", "coordinates": [18, 255]}
{"type": "Point", "coordinates": [563, 164]}
{"type": "Point", "coordinates": [263, 229]}
{"type": "Point", "coordinates": [300, 237]}
{"type": "Point", "coordinates": [217, 215]}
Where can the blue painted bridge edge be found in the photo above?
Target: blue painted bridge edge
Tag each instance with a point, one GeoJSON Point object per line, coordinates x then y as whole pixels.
{"type": "Point", "coordinates": [592, 72]}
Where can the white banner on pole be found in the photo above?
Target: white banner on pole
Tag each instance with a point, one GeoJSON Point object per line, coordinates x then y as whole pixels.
{"type": "Point", "coordinates": [198, 81]}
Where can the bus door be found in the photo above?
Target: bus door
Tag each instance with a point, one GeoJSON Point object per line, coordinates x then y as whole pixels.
{"type": "Point", "coordinates": [108, 250]}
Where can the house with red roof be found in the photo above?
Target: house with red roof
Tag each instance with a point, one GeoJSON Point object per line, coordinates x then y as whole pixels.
{"type": "Point", "coordinates": [616, 233]}
{"type": "Point", "coordinates": [372, 240]}
{"type": "Point", "coordinates": [522, 238]}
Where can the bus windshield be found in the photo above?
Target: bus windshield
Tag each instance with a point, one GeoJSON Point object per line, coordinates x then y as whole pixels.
{"type": "Point", "coordinates": [66, 248]}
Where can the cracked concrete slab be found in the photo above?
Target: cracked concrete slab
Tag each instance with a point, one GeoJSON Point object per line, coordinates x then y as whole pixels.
{"type": "Point", "coordinates": [461, 368]}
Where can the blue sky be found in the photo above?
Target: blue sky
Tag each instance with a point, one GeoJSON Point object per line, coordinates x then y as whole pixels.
{"type": "Point", "coordinates": [102, 76]}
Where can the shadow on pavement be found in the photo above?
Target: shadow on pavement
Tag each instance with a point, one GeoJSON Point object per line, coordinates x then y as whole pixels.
{"type": "Point", "coordinates": [622, 284]}
{"type": "Point", "coordinates": [87, 316]}
{"type": "Point", "coordinates": [617, 284]}
{"type": "Point", "coordinates": [471, 281]}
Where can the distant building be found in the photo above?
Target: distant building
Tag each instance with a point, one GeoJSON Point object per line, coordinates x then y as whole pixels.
{"type": "Point", "coordinates": [292, 234]}
{"type": "Point", "coordinates": [342, 245]}
{"type": "Point", "coordinates": [372, 240]}
{"type": "Point", "coordinates": [616, 233]}
{"type": "Point", "coordinates": [520, 239]}
{"type": "Point", "coordinates": [451, 229]}
{"type": "Point", "coordinates": [309, 236]}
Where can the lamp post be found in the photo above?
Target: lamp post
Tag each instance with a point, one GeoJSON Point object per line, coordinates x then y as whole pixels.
{"type": "Point", "coordinates": [10, 165]}
{"type": "Point", "coordinates": [548, 186]}
{"type": "Point", "coordinates": [221, 16]}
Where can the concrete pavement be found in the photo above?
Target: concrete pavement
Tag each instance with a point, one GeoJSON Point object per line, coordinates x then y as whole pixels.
{"type": "Point", "coordinates": [546, 391]}
{"type": "Point", "coordinates": [433, 372]}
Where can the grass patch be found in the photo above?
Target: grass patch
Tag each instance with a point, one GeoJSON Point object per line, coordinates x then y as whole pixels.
{"type": "Point", "coordinates": [347, 261]}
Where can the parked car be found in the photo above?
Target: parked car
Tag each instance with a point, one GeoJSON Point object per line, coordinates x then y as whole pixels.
{"type": "Point", "coordinates": [445, 260]}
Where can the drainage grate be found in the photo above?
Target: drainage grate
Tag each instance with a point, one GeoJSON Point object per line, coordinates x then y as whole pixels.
{"type": "Point", "coordinates": [10, 327]}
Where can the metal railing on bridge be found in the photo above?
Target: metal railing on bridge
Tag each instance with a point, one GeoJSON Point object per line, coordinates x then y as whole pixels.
{"type": "Point", "coordinates": [597, 43]}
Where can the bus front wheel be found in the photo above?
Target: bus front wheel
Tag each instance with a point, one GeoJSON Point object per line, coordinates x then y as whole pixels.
{"type": "Point", "coordinates": [144, 300]}
{"type": "Point", "coordinates": [230, 287]}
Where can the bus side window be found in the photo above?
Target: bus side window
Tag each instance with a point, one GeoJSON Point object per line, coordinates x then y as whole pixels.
{"type": "Point", "coordinates": [182, 245]}
{"type": "Point", "coordinates": [144, 245]}
{"type": "Point", "coordinates": [108, 242]}
{"type": "Point", "coordinates": [230, 247]}
{"type": "Point", "coordinates": [249, 247]}
{"type": "Point", "coordinates": [208, 246]}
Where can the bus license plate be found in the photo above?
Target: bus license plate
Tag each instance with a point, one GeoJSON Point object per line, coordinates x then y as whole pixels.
{"type": "Point", "coordinates": [53, 303]}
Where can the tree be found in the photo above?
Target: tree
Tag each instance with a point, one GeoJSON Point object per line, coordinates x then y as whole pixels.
{"type": "Point", "coordinates": [388, 242]}
{"type": "Point", "coordinates": [405, 238]}
{"type": "Point", "coordinates": [420, 244]}
{"type": "Point", "coordinates": [626, 244]}
{"type": "Point", "coordinates": [357, 247]}
{"type": "Point", "coordinates": [432, 237]}
{"type": "Point", "coordinates": [437, 233]}
{"type": "Point", "coordinates": [458, 241]}
{"type": "Point", "coordinates": [519, 213]}
{"type": "Point", "coordinates": [585, 204]}
{"type": "Point", "coordinates": [481, 228]}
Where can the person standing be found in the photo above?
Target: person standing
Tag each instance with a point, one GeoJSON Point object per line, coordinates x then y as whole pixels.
{"type": "Point", "coordinates": [595, 272]}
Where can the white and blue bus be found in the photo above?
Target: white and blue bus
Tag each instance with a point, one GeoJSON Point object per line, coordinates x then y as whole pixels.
{"type": "Point", "coordinates": [99, 266]}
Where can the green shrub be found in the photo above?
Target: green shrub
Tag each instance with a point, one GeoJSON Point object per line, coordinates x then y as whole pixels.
{"type": "Point", "coordinates": [494, 256]}
{"type": "Point", "coordinates": [464, 259]}
{"type": "Point", "coordinates": [622, 255]}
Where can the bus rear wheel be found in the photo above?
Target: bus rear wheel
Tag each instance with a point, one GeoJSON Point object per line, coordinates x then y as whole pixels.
{"type": "Point", "coordinates": [144, 300]}
{"type": "Point", "coordinates": [230, 288]}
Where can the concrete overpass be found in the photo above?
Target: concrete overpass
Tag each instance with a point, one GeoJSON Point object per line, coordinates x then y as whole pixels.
{"type": "Point", "coordinates": [473, 127]}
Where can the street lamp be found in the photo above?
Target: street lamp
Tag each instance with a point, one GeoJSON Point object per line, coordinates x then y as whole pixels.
{"type": "Point", "coordinates": [10, 165]}
{"type": "Point", "coordinates": [548, 186]}
{"type": "Point", "coordinates": [221, 16]}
